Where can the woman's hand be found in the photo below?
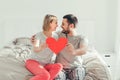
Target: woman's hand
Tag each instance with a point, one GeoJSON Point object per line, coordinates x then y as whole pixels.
{"type": "Point", "coordinates": [39, 47]}
{"type": "Point", "coordinates": [33, 40]}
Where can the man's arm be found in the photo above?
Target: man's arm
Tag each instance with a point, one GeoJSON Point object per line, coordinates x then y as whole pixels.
{"type": "Point", "coordinates": [83, 47]}
{"type": "Point", "coordinates": [82, 50]}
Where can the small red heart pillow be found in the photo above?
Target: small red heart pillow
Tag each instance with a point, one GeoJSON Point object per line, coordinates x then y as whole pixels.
{"type": "Point", "coordinates": [56, 45]}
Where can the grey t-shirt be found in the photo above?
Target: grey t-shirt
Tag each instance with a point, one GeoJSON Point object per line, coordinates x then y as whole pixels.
{"type": "Point", "coordinates": [65, 58]}
{"type": "Point", "coordinates": [46, 56]}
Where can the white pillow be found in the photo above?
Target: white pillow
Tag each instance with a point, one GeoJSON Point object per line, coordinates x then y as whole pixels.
{"type": "Point", "coordinates": [22, 40]}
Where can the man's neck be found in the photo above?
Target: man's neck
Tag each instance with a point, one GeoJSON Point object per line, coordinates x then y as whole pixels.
{"type": "Point", "coordinates": [72, 33]}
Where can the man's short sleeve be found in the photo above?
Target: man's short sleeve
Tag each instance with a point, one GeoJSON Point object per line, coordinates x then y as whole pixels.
{"type": "Point", "coordinates": [83, 41]}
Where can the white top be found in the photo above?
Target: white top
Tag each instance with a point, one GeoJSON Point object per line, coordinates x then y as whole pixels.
{"type": "Point", "coordinates": [46, 56]}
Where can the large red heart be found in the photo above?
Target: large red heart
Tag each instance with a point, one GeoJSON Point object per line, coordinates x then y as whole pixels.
{"type": "Point", "coordinates": [56, 45]}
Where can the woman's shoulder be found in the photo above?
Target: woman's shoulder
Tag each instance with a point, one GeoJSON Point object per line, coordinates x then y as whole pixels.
{"type": "Point", "coordinates": [38, 35]}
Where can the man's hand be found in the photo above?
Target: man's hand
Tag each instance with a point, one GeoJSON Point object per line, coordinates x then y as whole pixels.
{"type": "Point", "coordinates": [70, 48]}
{"type": "Point", "coordinates": [76, 52]}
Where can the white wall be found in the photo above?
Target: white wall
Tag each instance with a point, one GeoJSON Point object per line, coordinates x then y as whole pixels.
{"type": "Point", "coordinates": [17, 16]}
{"type": "Point", "coordinates": [106, 25]}
{"type": "Point", "coordinates": [97, 18]}
{"type": "Point", "coordinates": [117, 45]}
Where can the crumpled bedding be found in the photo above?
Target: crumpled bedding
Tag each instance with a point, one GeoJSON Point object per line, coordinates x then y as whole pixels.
{"type": "Point", "coordinates": [12, 59]}
{"type": "Point", "coordinates": [12, 63]}
{"type": "Point", "coordinates": [12, 69]}
{"type": "Point", "coordinates": [96, 68]}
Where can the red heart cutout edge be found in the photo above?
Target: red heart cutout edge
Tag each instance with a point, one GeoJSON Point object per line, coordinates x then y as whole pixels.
{"type": "Point", "coordinates": [56, 45]}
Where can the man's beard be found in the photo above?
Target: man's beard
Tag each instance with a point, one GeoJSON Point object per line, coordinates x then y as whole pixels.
{"type": "Point", "coordinates": [66, 32]}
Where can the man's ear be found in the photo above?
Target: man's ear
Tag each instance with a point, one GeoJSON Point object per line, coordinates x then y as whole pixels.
{"type": "Point", "coordinates": [72, 25]}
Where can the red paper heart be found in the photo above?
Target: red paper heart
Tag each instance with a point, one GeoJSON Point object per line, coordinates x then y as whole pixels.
{"type": "Point", "coordinates": [56, 45]}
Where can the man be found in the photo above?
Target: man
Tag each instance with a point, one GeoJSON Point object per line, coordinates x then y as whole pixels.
{"type": "Point", "coordinates": [70, 56]}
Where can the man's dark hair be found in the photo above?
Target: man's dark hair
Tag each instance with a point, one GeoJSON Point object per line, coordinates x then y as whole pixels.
{"type": "Point", "coordinates": [71, 19]}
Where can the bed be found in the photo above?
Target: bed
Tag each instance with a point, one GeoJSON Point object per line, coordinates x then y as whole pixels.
{"type": "Point", "coordinates": [13, 55]}
{"type": "Point", "coordinates": [95, 66]}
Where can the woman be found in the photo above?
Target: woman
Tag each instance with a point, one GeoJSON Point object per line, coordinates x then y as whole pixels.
{"type": "Point", "coordinates": [40, 62]}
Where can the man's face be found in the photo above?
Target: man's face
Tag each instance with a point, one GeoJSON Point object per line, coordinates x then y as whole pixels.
{"type": "Point", "coordinates": [65, 26]}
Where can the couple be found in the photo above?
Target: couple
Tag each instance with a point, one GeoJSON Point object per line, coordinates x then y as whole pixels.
{"type": "Point", "coordinates": [67, 65]}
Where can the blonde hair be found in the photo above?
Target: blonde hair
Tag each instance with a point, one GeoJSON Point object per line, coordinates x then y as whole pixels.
{"type": "Point", "coordinates": [47, 20]}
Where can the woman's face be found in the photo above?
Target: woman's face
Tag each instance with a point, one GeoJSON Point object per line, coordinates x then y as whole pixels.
{"type": "Point", "coordinates": [53, 25]}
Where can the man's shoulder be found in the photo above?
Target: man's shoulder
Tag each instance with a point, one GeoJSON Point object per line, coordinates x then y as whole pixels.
{"type": "Point", "coordinates": [80, 36]}
{"type": "Point", "coordinates": [83, 39]}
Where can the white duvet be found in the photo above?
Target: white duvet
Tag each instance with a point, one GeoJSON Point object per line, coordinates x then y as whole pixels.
{"type": "Point", "coordinates": [12, 62]}
{"type": "Point", "coordinates": [96, 68]}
